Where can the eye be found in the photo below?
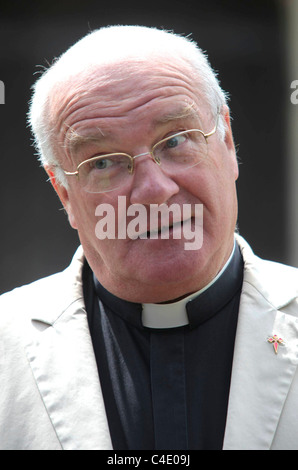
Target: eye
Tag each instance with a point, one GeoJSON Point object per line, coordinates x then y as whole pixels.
{"type": "Point", "coordinates": [175, 141]}
{"type": "Point", "coordinates": [107, 164]}
{"type": "Point", "coordinates": [101, 163]}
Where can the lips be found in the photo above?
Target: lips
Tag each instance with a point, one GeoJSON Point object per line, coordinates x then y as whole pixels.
{"type": "Point", "coordinates": [164, 230]}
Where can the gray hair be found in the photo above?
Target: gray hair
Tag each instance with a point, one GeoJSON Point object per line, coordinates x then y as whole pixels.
{"type": "Point", "coordinates": [111, 45]}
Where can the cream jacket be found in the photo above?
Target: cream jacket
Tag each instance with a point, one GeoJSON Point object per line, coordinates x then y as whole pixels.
{"type": "Point", "coordinates": [50, 395]}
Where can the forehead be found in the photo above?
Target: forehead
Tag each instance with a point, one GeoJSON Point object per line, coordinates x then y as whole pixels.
{"type": "Point", "coordinates": [128, 94]}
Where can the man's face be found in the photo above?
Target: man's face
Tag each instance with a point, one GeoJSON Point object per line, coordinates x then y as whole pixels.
{"type": "Point", "coordinates": [130, 112]}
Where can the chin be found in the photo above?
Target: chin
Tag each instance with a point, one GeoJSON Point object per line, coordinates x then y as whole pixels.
{"type": "Point", "coordinates": [173, 269]}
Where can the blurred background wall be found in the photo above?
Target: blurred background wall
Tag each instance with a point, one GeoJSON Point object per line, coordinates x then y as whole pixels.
{"type": "Point", "coordinates": [253, 46]}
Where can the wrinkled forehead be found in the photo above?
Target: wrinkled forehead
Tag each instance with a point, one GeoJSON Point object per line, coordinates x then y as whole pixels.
{"type": "Point", "coordinates": [122, 84]}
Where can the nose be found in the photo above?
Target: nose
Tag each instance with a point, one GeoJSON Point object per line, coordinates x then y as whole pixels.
{"type": "Point", "coordinates": [150, 184]}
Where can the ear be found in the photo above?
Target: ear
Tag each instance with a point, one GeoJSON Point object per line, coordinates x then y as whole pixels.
{"type": "Point", "coordinates": [63, 195]}
{"type": "Point", "coordinates": [228, 135]}
{"type": "Point", "coordinates": [229, 141]}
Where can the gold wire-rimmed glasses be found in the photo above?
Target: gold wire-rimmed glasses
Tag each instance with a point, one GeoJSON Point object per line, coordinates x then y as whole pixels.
{"type": "Point", "coordinates": [182, 150]}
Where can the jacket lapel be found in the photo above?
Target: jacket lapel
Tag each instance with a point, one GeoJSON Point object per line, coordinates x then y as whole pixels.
{"type": "Point", "coordinates": [60, 352]}
{"type": "Point", "coordinates": [260, 378]}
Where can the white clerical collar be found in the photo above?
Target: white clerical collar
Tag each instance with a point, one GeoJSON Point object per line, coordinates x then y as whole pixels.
{"type": "Point", "coordinates": [173, 315]}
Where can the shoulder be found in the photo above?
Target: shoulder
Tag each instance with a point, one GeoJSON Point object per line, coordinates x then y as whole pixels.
{"type": "Point", "coordinates": [45, 297]}
{"type": "Point", "coordinates": [277, 282]}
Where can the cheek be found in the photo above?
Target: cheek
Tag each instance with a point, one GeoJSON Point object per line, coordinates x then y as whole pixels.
{"type": "Point", "coordinates": [197, 184]}
{"type": "Point", "coordinates": [212, 185]}
{"type": "Point", "coordinates": [90, 213]}
{"type": "Point", "coordinates": [72, 218]}
{"type": "Point", "coordinates": [81, 212]}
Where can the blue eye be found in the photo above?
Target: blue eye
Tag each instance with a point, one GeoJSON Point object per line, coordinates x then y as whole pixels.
{"type": "Point", "coordinates": [108, 164]}
{"type": "Point", "coordinates": [102, 164]}
{"type": "Point", "coordinates": [174, 141]}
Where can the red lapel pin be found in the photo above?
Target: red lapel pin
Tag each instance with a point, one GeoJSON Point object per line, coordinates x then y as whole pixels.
{"type": "Point", "coordinates": [276, 341]}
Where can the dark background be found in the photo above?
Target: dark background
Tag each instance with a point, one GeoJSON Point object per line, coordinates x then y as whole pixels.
{"type": "Point", "coordinates": [245, 44]}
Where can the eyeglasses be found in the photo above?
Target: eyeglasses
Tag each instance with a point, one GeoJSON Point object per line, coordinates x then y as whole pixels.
{"type": "Point", "coordinates": [174, 153]}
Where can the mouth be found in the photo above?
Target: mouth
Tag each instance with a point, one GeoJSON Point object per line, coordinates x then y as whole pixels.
{"type": "Point", "coordinates": [165, 231]}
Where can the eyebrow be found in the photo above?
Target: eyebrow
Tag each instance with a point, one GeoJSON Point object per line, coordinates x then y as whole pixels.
{"type": "Point", "coordinates": [186, 111]}
{"type": "Point", "coordinates": [76, 140]}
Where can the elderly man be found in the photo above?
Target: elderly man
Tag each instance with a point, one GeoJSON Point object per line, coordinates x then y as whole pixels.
{"type": "Point", "coordinates": [160, 335]}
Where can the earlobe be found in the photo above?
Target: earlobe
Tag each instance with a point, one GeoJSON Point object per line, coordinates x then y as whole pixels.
{"type": "Point", "coordinates": [62, 193]}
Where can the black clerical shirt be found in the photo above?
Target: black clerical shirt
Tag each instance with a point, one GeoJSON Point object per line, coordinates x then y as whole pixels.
{"type": "Point", "coordinates": [166, 389]}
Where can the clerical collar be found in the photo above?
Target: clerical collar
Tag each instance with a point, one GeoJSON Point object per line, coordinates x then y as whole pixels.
{"type": "Point", "coordinates": [192, 310]}
{"type": "Point", "coordinates": [174, 314]}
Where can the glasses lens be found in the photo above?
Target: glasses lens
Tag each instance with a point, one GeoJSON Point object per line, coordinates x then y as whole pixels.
{"type": "Point", "coordinates": [104, 173]}
{"type": "Point", "coordinates": [185, 149]}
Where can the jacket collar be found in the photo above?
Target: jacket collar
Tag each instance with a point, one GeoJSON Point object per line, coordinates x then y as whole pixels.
{"type": "Point", "coordinates": [276, 282]}
{"type": "Point", "coordinates": [67, 287]}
